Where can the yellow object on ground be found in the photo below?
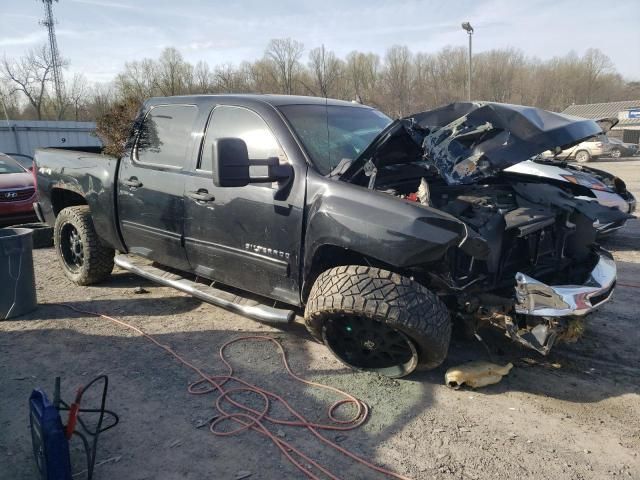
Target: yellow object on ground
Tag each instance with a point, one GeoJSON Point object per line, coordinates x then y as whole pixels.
{"type": "Point", "coordinates": [476, 374]}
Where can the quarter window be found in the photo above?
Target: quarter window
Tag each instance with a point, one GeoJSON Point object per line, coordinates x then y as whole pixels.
{"type": "Point", "coordinates": [238, 122]}
{"type": "Point", "coordinates": [165, 135]}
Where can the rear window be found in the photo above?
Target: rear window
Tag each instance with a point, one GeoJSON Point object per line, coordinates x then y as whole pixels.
{"type": "Point", "coordinates": [8, 165]}
{"type": "Point", "coordinates": [165, 135]}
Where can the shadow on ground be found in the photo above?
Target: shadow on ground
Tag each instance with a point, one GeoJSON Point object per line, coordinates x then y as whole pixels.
{"type": "Point", "coordinates": [158, 436]}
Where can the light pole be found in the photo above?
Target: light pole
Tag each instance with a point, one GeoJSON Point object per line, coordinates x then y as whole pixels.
{"type": "Point", "coordinates": [467, 26]}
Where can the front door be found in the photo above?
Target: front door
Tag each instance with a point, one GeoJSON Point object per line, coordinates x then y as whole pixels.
{"type": "Point", "coordinates": [151, 185]}
{"type": "Point", "coordinates": [247, 237]}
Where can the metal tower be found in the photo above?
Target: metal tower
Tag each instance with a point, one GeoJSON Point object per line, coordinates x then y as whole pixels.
{"type": "Point", "coordinates": [49, 22]}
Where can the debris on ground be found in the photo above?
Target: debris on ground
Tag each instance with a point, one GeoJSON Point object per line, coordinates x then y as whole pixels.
{"type": "Point", "coordinates": [140, 290]}
{"type": "Point", "coordinates": [476, 374]}
{"type": "Point", "coordinates": [243, 474]}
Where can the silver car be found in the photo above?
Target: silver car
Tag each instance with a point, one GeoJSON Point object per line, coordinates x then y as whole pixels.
{"type": "Point", "coordinates": [591, 149]}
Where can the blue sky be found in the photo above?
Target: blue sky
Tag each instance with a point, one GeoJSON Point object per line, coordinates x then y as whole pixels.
{"type": "Point", "coordinates": [98, 36]}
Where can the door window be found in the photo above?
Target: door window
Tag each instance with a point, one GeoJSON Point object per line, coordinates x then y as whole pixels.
{"type": "Point", "coordinates": [238, 122]}
{"type": "Point", "coordinates": [165, 135]}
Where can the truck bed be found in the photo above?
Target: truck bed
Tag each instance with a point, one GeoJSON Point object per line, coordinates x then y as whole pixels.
{"type": "Point", "coordinates": [85, 172]}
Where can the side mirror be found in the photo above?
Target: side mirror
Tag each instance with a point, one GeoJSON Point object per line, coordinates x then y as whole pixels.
{"type": "Point", "coordinates": [232, 167]}
{"type": "Point", "coordinates": [230, 161]}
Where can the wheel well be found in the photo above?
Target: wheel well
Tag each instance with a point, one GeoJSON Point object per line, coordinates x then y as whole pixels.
{"type": "Point", "coordinates": [330, 256]}
{"type": "Point", "coordinates": [61, 199]}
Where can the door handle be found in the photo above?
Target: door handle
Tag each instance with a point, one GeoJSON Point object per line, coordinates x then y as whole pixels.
{"type": "Point", "coordinates": [201, 196]}
{"type": "Point", "coordinates": [133, 182]}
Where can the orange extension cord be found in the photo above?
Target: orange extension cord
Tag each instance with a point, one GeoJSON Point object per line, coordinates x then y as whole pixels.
{"type": "Point", "coordinates": [250, 418]}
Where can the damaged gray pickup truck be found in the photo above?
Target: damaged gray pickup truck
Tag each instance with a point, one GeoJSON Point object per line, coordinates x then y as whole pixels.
{"type": "Point", "coordinates": [384, 232]}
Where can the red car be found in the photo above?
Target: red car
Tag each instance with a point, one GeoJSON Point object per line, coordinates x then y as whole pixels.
{"type": "Point", "coordinates": [17, 192]}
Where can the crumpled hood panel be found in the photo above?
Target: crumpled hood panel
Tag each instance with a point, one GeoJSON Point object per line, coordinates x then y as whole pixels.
{"type": "Point", "coordinates": [468, 141]}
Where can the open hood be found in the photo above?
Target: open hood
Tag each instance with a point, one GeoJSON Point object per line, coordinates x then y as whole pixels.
{"type": "Point", "coordinates": [468, 141]}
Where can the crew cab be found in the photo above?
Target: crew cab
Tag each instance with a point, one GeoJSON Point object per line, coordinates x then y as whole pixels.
{"type": "Point", "coordinates": [384, 232]}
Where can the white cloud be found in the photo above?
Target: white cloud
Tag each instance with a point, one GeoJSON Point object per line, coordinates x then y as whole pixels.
{"type": "Point", "coordinates": [28, 39]}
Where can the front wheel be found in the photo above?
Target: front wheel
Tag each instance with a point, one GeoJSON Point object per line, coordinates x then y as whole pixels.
{"type": "Point", "coordinates": [376, 320]}
{"type": "Point", "coordinates": [583, 156]}
{"type": "Point", "coordinates": [84, 259]}
{"type": "Point", "coordinates": [616, 153]}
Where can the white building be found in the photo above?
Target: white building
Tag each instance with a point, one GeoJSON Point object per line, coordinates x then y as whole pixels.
{"type": "Point", "coordinates": [24, 136]}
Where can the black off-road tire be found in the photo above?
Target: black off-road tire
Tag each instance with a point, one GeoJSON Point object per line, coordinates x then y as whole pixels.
{"type": "Point", "coordinates": [97, 261]}
{"type": "Point", "coordinates": [378, 295]}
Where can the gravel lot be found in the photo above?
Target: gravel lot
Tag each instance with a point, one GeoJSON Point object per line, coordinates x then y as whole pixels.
{"type": "Point", "coordinates": [579, 421]}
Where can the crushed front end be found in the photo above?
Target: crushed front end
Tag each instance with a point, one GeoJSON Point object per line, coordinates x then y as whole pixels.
{"type": "Point", "coordinates": [530, 263]}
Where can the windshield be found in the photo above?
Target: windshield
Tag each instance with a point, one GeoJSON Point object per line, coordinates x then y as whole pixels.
{"type": "Point", "coordinates": [332, 133]}
{"type": "Point", "coordinates": [25, 160]}
{"type": "Point", "coordinates": [8, 165]}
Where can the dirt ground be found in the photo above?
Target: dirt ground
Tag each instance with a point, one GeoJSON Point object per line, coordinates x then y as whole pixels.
{"type": "Point", "coordinates": [579, 421]}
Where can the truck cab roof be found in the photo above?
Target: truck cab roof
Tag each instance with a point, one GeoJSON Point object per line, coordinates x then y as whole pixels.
{"type": "Point", "coordinates": [249, 99]}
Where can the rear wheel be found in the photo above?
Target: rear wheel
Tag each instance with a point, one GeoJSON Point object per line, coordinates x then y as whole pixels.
{"type": "Point", "coordinates": [376, 320]}
{"type": "Point", "coordinates": [616, 153]}
{"type": "Point", "coordinates": [582, 156]}
{"type": "Point", "coordinates": [83, 258]}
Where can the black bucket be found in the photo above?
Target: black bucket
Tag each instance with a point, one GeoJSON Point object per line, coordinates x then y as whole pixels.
{"type": "Point", "coordinates": [17, 281]}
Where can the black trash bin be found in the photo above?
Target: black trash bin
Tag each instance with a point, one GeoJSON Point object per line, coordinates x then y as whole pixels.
{"type": "Point", "coordinates": [17, 281]}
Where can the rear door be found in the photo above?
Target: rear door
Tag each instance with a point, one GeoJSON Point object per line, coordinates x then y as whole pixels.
{"type": "Point", "coordinates": [248, 237]}
{"type": "Point", "coordinates": [151, 185]}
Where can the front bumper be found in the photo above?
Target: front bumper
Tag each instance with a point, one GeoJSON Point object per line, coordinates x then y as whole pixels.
{"type": "Point", "coordinates": [538, 299]}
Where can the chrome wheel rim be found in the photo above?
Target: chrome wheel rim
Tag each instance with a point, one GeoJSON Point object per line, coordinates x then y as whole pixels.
{"type": "Point", "coordinates": [582, 157]}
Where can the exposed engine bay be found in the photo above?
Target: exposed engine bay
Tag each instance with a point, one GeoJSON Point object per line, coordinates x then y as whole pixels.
{"type": "Point", "coordinates": [515, 227]}
{"type": "Point", "coordinates": [524, 234]}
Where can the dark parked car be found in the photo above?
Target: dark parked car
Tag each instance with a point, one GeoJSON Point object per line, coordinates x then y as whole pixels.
{"type": "Point", "coordinates": [622, 149]}
{"type": "Point", "coordinates": [385, 232]}
{"type": "Point", "coordinates": [17, 192]}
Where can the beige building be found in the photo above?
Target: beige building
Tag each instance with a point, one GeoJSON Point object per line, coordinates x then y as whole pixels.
{"type": "Point", "coordinates": [628, 112]}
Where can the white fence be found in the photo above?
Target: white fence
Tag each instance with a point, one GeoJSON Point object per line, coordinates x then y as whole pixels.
{"type": "Point", "coordinates": [24, 136]}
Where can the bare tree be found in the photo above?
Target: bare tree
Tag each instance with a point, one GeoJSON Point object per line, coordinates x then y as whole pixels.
{"type": "Point", "coordinates": [400, 83]}
{"type": "Point", "coordinates": [137, 80]}
{"type": "Point", "coordinates": [596, 64]}
{"type": "Point", "coordinates": [30, 75]}
{"type": "Point", "coordinates": [9, 100]}
{"type": "Point", "coordinates": [172, 74]}
{"type": "Point", "coordinates": [325, 69]}
{"type": "Point", "coordinates": [397, 80]}
{"type": "Point", "coordinates": [285, 56]}
{"type": "Point", "coordinates": [229, 79]}
{"type": "Point", "coordinates": [496, 73]}
{"type": "Point", "coordinates": [77, 93]}
{"type": "Point", "coordinates": [202, 78]}
{"type": "Point", "coordinates": [362, 71]}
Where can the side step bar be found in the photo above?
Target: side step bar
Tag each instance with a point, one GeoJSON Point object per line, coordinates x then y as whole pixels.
{"type": "Point", "coordinates": [212, 295]}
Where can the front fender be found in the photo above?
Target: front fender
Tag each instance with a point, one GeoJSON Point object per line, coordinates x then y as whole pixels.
{"type": "Point", "coordinates": [399, 233]}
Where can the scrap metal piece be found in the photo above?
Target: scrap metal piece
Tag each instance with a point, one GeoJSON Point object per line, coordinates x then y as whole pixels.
{"type": "Point", "coordinates": [540, 338]}
{"type": "Point", "coordinates": [476, 374]}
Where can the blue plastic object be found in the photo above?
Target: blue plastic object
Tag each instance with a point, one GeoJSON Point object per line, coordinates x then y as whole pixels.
{"type": "Point", "coordinates": [50, 447]}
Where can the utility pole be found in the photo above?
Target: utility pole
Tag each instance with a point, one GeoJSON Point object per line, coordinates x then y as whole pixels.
{"type": "Point", "coordinates": [467, 26]}
{"type": "Point", "coordinates": [50, 22]}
